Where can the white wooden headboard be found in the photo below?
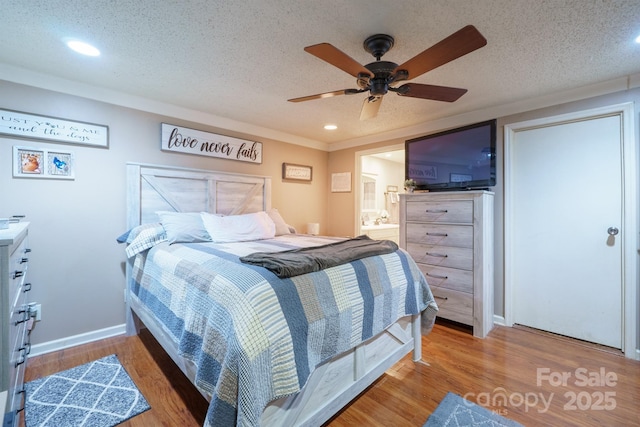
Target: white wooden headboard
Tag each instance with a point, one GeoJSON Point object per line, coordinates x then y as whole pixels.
{"type": "Point", "coordinates": [152, 188]}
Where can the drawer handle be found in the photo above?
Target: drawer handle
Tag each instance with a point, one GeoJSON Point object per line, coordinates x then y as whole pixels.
{"type": "Point", "coordinates": [439, 297]}
{"type": "Point", "coordinates": [437, 234]}
{"type": "Point", "coordinates": [27, 287]}
{"type": "Point", "coordinates": [436, 255]}
{"type": "Point", "coordinates": [437, 276]}
{"type": "Point", "coordinates": [436, 211]}
{"type": "Point", "coordinates": [23, 391]}
{"type": "Point", "coordinates": [23, 260]}
{"type": "Point", "coordinates": [26, 315]}
{"type": "Point", "coordinates": [24, 319]}
{"type": "Point", "coordinates": [26, 251]}
{"type": "Point", "coordinates": [17, 274]}
{"type": "Point", "coordinates": [24, 357]}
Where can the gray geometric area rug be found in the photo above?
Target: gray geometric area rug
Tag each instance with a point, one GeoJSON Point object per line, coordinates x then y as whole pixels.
{"type": "Point", "coordinates": [96, 394]}
{"type": "Point", "coordinates": [454, 411]}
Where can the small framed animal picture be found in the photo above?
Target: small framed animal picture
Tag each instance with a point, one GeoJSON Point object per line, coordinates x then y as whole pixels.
{"type": "Point", "coordinates": [28, 162]}
{"type": "Point", "coordinates": [59, 164]}
{"type": "Point", "coordinates": [31, 162]}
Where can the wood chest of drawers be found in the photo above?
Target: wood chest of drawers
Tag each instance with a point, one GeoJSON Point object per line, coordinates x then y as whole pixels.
{"type": "Point", "coordinates": [16, 317]}
{"type": "Point", "coordinates": [450, 236]}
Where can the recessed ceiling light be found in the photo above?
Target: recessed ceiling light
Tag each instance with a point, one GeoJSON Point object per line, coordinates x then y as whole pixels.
{"type": "Point", "coordinates": [330, 127]}
{"type": "Point", "coordinates": [637, 39]}
{"type": "Point", "coordinates": [83, 48]}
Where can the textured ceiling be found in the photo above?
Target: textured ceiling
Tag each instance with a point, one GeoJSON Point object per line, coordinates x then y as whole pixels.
{"type": "Point", "coordinates": [241, 60]}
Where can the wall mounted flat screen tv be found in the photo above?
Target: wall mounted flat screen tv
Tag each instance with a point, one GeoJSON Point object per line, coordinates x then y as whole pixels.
{"type": "Point", "coordinates": [456, 159]}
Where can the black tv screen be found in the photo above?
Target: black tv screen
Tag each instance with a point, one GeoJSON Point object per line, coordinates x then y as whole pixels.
{"type": "Point", "coordinates": [456, 159]}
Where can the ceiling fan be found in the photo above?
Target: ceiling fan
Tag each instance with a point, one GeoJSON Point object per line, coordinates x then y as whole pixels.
{"type": "Point", "coordinates": [379, 77]}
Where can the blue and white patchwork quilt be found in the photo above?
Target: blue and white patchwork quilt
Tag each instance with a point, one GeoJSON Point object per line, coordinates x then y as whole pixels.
{"type": "Point", "coordinates": [254, 337]}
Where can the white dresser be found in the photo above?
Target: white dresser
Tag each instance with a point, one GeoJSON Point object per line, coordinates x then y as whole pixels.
{"type": "Point", "coordinates": [16, 319]}
{"type": "Point", "coordinates": [450, 236]}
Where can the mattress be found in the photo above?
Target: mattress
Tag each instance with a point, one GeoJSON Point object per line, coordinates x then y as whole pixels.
{"type": "Point", "coordinates": [255, 337]}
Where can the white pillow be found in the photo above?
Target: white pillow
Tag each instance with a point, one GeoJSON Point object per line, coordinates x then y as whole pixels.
{"type": "Point", "coordinates": [281, 225]}
{"type": "Point", "coordinates": [239, 228]}
{"type": "Point", "coordinates": [183, 227]}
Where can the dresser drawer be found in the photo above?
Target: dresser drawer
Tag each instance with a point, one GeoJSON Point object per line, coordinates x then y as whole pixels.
{"type": "Point", "coordinates": [17, 363]}
{"type": "Point", "coordinates": [18, 265]}
{"type": "Point", "coordinates": [16, 392]}
{"type": "Point", "coordinates": [19, 320]}
{"type": "Point", "coordinates": [453, 211]}
{"type": "Point", "coordinates": [443, 256]}
{"type": "Point", "coordinates": [450, 278]}
{"type": "Point", "coordinates": [442, 235]}
{"type": "Point", "coordinates": [454, 305]}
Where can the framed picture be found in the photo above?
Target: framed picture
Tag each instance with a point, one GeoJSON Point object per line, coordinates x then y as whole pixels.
{"type": "Point", "coordinates": [29, 162]}
{"type": "Point", "coordinates": [392, 188]}
{"type": "Point", "coordinates": [37, 163]}
{"type": "Point", "coordinates": [52, 129]}
{"type": "Point", "coordinates": [297, 172]}
{"type": "Point", "coordinates": [341, 182]}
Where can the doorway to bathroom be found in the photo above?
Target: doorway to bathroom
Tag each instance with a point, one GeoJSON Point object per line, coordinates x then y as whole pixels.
{"type": "Point", "coordinates": [379, 179]}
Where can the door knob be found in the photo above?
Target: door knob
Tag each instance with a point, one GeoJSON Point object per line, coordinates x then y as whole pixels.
{"type": "Point", "coordinates": [612, 231]}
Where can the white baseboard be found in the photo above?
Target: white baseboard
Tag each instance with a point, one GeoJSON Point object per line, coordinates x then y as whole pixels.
{"type": "Point", "coordinates": [63, 343]}
{"type": "Point", "coordinates": [499, 320]}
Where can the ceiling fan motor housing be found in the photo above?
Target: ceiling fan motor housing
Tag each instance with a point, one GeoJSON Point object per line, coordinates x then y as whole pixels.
{"type": "Point", "coordinates": [382, 76]}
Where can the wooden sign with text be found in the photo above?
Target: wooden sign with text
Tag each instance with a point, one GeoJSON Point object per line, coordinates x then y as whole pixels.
{"type": "Point", "coordinates": [191, 141]}
{"type": "Point", "coordinates": [52, 129]}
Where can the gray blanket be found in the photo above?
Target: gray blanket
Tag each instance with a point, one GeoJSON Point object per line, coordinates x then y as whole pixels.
{"type": "Point", "coordinates": [307, 260]}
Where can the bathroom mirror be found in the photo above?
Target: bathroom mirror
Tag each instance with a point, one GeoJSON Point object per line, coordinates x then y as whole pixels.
{"type": "Point", "coordinates": [369, 202]}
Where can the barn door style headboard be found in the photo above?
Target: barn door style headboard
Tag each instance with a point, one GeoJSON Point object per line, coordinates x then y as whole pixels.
{"type": "Point", "coordinates": [152, 188]}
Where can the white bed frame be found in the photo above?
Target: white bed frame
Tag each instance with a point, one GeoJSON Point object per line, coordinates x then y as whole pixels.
{"type": "Point", "coordinates": [333, 384]}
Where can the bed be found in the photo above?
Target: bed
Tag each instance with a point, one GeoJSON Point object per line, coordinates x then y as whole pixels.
{"type": "Point", "coordinates": [263, 350]}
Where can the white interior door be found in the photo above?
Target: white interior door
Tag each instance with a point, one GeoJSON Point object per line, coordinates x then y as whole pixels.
{"type": "Point", "coordinates": [566, 193]}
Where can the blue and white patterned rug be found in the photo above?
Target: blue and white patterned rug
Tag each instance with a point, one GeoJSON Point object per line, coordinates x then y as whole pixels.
{"type": "Point", "coordinates": [454, 411]}
{"type": "Point", "coordinates": [96, 394]}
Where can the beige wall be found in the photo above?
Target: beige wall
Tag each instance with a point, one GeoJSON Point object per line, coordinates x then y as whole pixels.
{"type": "Point", "coordinates": [76, 265]}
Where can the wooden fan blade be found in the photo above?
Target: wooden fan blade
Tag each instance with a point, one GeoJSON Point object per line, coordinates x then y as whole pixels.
{"type": "Point", "coordinates": [320, 95]}
{"type": "Point", "coordinates": [437, 93]}
{"type": "Point", "coordinates": [456, 45]}
{"type": "Point", "coordinates": [370, 107]}
{"type": "Point", "coordinates": [337, 58]}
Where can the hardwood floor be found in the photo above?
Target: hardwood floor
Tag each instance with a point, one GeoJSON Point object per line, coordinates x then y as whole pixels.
{"type": "Point", "coordinates": [515, 372]}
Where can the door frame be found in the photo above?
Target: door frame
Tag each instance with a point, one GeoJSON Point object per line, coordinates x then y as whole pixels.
{"type": "Point", "coordinates": [629, 234]}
